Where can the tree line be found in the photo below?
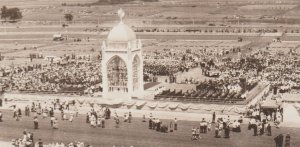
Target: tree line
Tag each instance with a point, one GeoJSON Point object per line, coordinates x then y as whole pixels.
{"type": "Point", "coordinates": [11, 14]}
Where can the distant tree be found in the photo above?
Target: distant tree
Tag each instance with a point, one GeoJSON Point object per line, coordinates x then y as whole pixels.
{"type": "Point", "coordinates": [14, 13]}
{"type": "Point", "coordinates": [11, 13]}
{"type": "Point", "coordinates": [4, 13]}
{"type": "Point", "coordinates": [69, 17]}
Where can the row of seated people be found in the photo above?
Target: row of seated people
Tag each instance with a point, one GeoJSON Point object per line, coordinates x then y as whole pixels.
{"type": "Point", "coordinates": [64, 90]}
{"type": "Point", "coordinates": [211, 91]}
{"type": "Point", "coordinates": [201, 96]}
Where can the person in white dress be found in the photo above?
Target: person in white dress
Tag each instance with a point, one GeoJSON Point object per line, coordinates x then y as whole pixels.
{"type": "Point", "coordinates": [71, 117]}
{"type": "Point", "coordinates": [65, 116]}
{"type": "Point", "coordinates": [93, 121]}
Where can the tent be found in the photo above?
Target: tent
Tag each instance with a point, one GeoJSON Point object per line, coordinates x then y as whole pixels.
{"type": "Point", "coordinates": [269, 104]}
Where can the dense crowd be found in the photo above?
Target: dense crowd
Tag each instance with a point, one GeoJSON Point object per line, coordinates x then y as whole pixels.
{"type": "Point", "coordinates": [167, 63]}
{"type": "Point", "coordinates": [81, 77]}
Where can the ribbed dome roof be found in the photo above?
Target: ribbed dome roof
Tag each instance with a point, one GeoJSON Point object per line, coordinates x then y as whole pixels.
{"type": "Point", "coordinates": [121, 32]}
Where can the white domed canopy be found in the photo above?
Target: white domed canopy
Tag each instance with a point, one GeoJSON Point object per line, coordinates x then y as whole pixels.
{"type": "Point", "coordinates": [121, 32]}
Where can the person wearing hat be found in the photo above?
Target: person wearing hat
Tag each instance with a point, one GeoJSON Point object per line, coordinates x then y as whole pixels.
{"type": "Point", "coordinates": [175, 124]}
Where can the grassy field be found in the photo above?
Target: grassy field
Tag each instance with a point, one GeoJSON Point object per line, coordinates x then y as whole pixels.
{"type": "Point", "coordinates": [205, 10]}
{"type": "Point", "coordinates": [136, 134]}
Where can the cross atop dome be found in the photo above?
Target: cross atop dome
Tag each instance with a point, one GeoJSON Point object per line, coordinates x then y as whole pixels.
{"type": "Point", "coordinates": [121, 32]}
{"type": "Point", "coordinates": [121, 14]}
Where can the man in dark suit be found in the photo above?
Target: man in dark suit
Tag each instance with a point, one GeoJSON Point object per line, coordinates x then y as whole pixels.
{"type": "Point", "coordinates": [214, 117]}
{"type": "Point", "coordinates": [269, 130]}
{"type": "Point", "coordinates": [254, 126]}
{"type": "Point", "coordinates": [279, 140]}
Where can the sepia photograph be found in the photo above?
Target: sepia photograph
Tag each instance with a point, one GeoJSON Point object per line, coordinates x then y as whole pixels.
{"type": "Point", "coordinates": [150, 73]}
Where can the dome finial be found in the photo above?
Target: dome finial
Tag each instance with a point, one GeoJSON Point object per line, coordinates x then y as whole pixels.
{"type": "Point", "coordinates": [121, 14]}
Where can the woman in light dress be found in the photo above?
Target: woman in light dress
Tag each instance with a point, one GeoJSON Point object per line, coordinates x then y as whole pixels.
{"type": "Point", "coordinates": [93, 121]}
{"type": "Point", "coordinates": [65, 116]}
{"type": "Point", "coordinates": [71, 117]}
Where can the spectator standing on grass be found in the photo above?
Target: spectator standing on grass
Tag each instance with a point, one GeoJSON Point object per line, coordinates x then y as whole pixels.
{"type": "Point", "coordinates": [102, 122]}
{"type": "Point", "coordinates": [52, 119]}
{"type": "Point", "coordinates": [44, 112]}
{"type": "Point", "coordinates": [1, 115]}
{"type": "Point", "coordinates": [287, 140]}
{"type": "Point", "coordinates": [279, 140]}
{"type": "Point", "coordinates": [213, 117]}
{"type": "Point", "coordinates": [171, 126]}
{"type": "Point", "coordinates": [99, 122]}
{"type": "Point", "coordinates": [144, 118]}
{"type": "Point", "coordinates": [65, 116]}
{"type": "Point", "coordinates": [254, 126]}
{"type": "Point", "coordinates": [150, 123]}
{"type": "Point", "coordinates": [26, 111]}
{"type": "Point", "coordinates": [227, 131]}
{"type": "Point", "coordinates": [55, 124]}
{"type": "Point", "coordinates": [87, 118]}
{"type": "Point", "coordinates": [36, 123]}
{"type": "Point", "coordinates": [175, 124]}
{"type": "Point", "coordinates": [93, 121]}
{"type": "Point", "coordinates": [71, 117]}
{"type": "Point", "coordinates": [129, 117]}
{"type": "Point", "coordinates": [117, 121]}
{"type": "Point", "coordinates": [269, 130]}
{"type": "Point", "coordinates": [193, 134]}
{"type": "Point", "coordinates": [209, 126]}
{"type": "Point", "coordinates": [62, 114]}
{"type": "Point", "coordinates": [198, 133]}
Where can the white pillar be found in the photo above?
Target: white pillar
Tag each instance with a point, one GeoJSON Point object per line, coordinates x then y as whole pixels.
{"type": "Point", "coordinates": [130, 78]}
{"type": "Point", "coordinates": [104, 77]}
{"type": "Point", "coordinates": [141, 75]}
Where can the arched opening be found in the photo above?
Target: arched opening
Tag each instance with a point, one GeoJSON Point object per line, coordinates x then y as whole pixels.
{"type": "Point", "coordinates": [135, 72]}
{"type": "Point", "coordinates": [117, 77]}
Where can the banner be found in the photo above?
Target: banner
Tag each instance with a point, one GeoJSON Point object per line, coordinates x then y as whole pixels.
{"type": "Point", "coordinates": [163, 105]}
{"type": "Point", "coordinates": [184, 107]}
{"type": "Point", "coordinates": [140, 104]}
{"type": "Point", "coordinates": [173, 106]}
{"type": "Point", "coordinates": [152, 105]}
{"type": "Point", "coordinates": [129, 104]}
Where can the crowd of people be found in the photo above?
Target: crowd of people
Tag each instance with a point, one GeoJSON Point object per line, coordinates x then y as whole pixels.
{"type": "Point", "coordinates": [45, 110]}
{"type": "Point", "coordinates": [159, 126]}
{"type": "Point", "coordinates": [77, 77]}
{"type": "Point", "coordinates": [214, 90]}
{"type": "Point", "coordinates": [260, 122]}
{"type": "Point", "coordinates": [96, 118]}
